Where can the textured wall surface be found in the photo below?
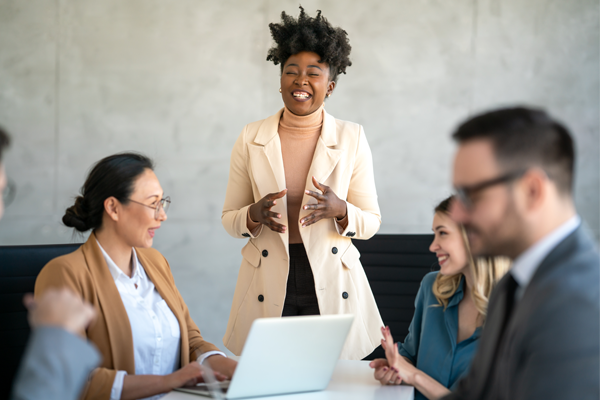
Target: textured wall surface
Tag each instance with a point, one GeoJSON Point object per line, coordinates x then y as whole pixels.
{"type": "Point", "coordinates": [178, 80]}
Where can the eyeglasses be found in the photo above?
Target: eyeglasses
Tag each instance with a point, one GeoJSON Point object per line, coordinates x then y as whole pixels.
{"type": "Point", "coordinates": [163, 203]}
{"type": "Point", "coordinates": [9, 192]}
{"type": "Point", "coordinates": [464, 193]}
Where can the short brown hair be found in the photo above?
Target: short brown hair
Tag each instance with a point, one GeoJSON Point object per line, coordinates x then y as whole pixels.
{"type": "Point", "coordinates": [523, 138]}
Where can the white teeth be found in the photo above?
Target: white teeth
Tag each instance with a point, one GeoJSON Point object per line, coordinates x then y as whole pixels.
{"type": "Point", "coordinates": [442, 258]}
{"type": "Point", "coordinates": [303, 95]}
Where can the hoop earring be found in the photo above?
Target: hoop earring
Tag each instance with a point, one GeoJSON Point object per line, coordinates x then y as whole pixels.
{"type": "Point", "coordinates": [279, 90]}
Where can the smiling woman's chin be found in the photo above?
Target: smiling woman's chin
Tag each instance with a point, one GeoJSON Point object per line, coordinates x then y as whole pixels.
{"type": "Point", "coordinates": [447, 270]}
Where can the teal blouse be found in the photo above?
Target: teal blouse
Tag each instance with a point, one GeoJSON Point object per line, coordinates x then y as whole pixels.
{"type": "Point", "coordinates": [431, 340]}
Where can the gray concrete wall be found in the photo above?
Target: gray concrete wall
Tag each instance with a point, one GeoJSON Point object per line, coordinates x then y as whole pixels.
{"type": "Point", "coordinates": [178, 80]}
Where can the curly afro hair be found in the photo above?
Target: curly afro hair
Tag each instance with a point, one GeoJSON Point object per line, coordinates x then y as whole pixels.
{"type": "Point", "coordinates": [293, 36]}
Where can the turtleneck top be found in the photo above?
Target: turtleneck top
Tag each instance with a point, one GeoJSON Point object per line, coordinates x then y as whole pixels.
{"type": "Point", "coordinates": [299, 136]}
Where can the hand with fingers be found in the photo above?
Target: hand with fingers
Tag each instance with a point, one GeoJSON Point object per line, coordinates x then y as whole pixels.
{"type": "Point", "coordinates": [328, 205]}
{"type": "Point", "coordinates": [189, 375]}
{"type": "Point", "coordinates": [261, 212]}
{"type": "Point", "coordinates": [395, 369]}
{"type": "Point", "coordinates": [62, 308]}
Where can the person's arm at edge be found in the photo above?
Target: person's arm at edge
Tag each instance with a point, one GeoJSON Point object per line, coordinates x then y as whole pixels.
{"type": "Point", "coordinates": [55, 365]}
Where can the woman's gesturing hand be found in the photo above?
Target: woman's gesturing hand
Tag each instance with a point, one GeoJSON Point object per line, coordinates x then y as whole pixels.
{"type": "Point", "coordinates": [261, 211]}
{"type": "Point", "coordinates": [328, 205]}
{"type": "Point", "coordinates": [399, 370]}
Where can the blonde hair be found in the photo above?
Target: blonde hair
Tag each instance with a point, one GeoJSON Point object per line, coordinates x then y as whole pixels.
{"type": "Point", "coordinates": [486, 272]}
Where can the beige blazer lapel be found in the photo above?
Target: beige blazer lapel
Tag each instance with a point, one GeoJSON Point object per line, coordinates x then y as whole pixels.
{"type": "Point", "coordinates": [115, 315]}
{"type": "Point", "coordinates": [324, 161]}
{"type": "Point", "coordinates": [266, 163]}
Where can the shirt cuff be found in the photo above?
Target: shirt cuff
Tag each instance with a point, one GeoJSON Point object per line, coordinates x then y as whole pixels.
{"type": "Point", "coordinates": [117, 387]}
{"type": "Point", "coordinates": [204, 356]}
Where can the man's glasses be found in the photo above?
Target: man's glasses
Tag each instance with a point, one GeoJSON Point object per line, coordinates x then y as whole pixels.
{"type": "Point", "coordinates": [9, 192]}
{"type": "Point", "coordinates": [464, 194]}
{"type": "Point", "coordinates": [163, 203]}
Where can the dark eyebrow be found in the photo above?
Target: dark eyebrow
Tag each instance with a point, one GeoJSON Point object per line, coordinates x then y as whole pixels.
{"type": "Point", "coordinates": [153, 195]}
{"type": "Point", "coordinates": [310, 66]}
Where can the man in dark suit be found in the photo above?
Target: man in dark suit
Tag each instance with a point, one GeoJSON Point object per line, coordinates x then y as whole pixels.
{"type": "Point", "coordinates": [513, 175]}
{"type": "Point", "coordinates": [57, 361]}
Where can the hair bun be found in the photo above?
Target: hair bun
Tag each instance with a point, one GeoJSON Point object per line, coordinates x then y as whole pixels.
{"type": "Point", "coordinates": [76, 217]}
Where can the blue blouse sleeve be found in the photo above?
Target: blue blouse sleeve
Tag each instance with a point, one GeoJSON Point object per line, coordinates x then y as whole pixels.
{"type": "Point", "coordinates": [410, 347]}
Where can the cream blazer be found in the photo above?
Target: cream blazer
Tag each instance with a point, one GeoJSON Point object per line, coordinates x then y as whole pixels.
{"type": "Point", "coordinates": [342, 161]}
{"type": "Point", "coordinates": [85, 272]}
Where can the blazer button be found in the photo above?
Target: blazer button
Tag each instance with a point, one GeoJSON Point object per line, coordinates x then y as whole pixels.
{"type": "Point", "coordinates": [334, 250]}
{"type": "Point", "coordinates": [261, 298]}
{"type": "Point", "coordinates": [245, 234]}
{"type": "Point", "coordinates": [265, 253]}
{"type": "Point", "coordinates": [345, 295]}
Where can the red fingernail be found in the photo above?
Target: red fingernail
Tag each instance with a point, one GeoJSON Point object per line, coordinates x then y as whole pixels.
{"type": "Point", "coordinates": [385, 368]}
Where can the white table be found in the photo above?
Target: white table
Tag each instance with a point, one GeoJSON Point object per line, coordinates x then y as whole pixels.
{"type": "Point", "coordinates": [351, 380]}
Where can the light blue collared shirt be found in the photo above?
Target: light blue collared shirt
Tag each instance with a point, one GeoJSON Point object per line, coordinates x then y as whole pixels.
{"type": "Point", "coordinates": [528, 262]}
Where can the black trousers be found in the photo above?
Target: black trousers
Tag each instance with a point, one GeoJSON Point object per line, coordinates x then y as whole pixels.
{"type": "Point", "coordinates": [301, 297]}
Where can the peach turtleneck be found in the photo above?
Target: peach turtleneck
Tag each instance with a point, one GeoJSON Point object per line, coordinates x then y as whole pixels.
{"type": "Point", "coordinates": [299, 136]}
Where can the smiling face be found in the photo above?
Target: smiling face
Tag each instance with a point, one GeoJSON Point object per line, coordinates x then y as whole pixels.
{"type": "Point", "coordinates": [136, 224]}
{"type": "Point", "coordinates": [305, 83]}
{"type": "Point", "coordinates": [448, 245]}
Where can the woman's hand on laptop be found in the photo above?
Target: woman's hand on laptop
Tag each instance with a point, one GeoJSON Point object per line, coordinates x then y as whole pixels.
{"type": "Point", "coordinates": [189, 375]}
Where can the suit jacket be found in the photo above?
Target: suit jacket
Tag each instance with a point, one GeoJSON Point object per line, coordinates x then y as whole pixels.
{"type": "Point", "coordinates": [550, 349]}
{"type": "Point", "coordinates": [342, 160]}
{"type": "Point", "coordinates": [85, 272]}
{"type": "Point", "coordinates": [55, 366]}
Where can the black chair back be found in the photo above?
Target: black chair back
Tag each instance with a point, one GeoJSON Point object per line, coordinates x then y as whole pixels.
{"type": "Point", "coordinates": [395, 266]}
{"type": "Point", "coordinates": [19, 267]}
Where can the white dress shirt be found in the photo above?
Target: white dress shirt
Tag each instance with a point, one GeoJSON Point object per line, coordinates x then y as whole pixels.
{"type": "Point", "coordinates": [154, 327]}
{"type": "Point", "coordinates": [528, 262]}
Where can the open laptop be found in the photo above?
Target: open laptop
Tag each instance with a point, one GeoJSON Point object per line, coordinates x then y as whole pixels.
{"type": "Point", "coordinates": [284, 355]}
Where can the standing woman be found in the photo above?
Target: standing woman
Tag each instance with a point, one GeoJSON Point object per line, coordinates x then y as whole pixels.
{"type": "Point", "coordinates": [300, 187]}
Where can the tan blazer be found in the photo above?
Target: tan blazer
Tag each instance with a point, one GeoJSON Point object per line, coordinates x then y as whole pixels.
{"type": "Point", "coordinates": [85, 272]}
{"type": "Point", "coordinates": [342, 160]}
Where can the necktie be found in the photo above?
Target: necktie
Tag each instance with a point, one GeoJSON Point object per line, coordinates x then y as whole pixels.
{"type": "Point", "coordinates": [511, 288]}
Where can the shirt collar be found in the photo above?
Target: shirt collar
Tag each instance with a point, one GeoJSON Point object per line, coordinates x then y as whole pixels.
{"type": "Point", "coordinates": [528, 262]}
{"type": "Point", "coordinates": [115, 271]}
{"type": "Point", "coordinates": [459, 294]}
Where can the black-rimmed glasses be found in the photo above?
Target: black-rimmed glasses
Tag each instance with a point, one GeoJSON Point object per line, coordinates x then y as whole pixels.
{"type": "Point", "coordinates": [464, 193]}
{"type": "Point", "coordinates": [163, 203]}
{"type": "Point", "coordinates": [9, 192]}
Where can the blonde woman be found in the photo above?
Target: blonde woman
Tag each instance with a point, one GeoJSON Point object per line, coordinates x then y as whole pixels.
{"type": "Point", "coordinates": [450, 311]}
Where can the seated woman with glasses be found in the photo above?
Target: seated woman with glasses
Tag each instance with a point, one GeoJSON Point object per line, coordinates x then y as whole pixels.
{"type": "Point", "coordinates": [143, 328]}
{"type": "Point", "coordinates": [450, 310]}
